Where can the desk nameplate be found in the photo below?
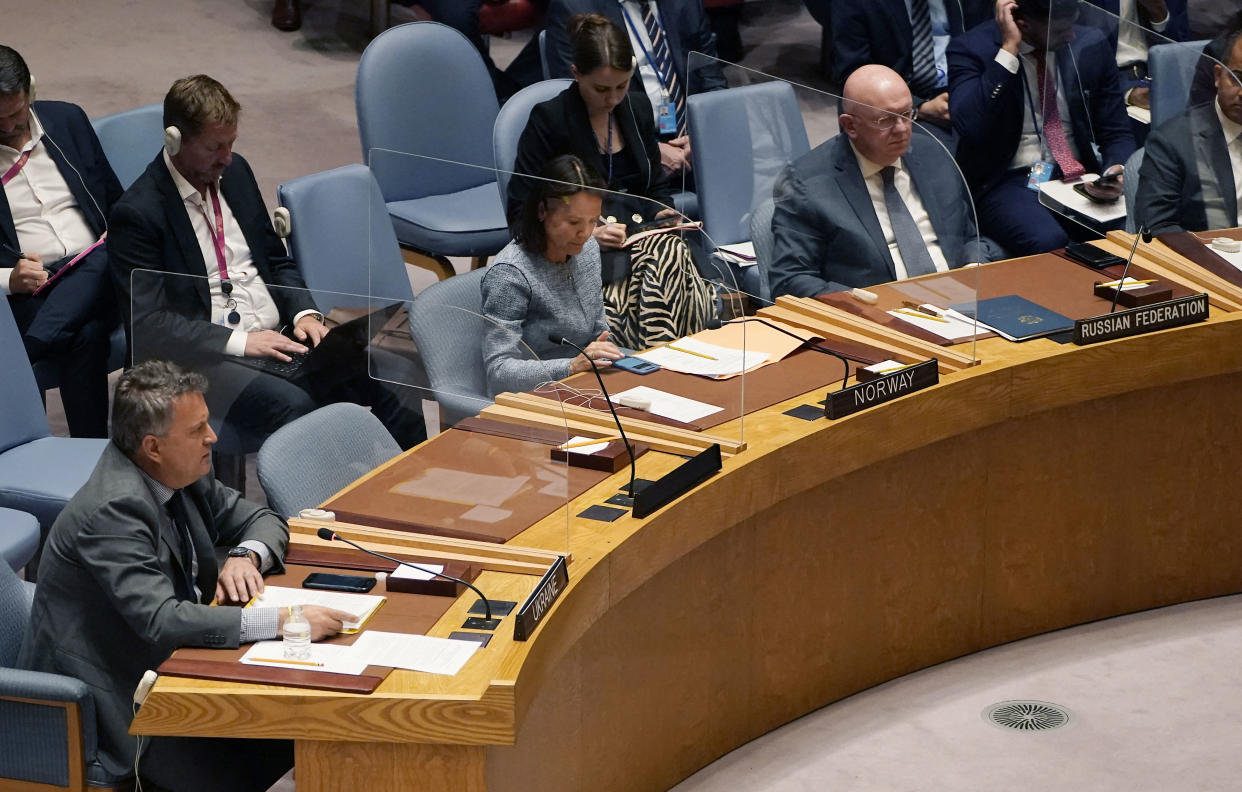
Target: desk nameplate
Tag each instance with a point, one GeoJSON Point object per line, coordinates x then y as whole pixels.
{"type": "Point", "coordinates": [1135, 321]}
{"type": "Point", "coordinates": [537, 605]}
{"type": "Point", "coordinates": [881, 389]}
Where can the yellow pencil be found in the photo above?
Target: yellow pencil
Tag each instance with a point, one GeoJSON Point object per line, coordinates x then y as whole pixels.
{"type": "Point", "coordinates": [289, 662]}
{"type": "Point", "coordinates": [688, 352]}
{"type": "Point", "coordinates": [920, 315]}
{"type": "Point", "coordinates": [1129, 282]}
{"type": "Point", "coordinates": [583, 443]}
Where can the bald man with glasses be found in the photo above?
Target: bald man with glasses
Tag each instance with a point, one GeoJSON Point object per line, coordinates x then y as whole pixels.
{"type": "Point", "coordinates": [881, 201]}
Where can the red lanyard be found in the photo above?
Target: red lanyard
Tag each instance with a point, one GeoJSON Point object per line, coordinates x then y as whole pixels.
{"type": "Point", "coordinates": [17, 166]}
{"type": "Point", "coordinates": [217, 232]}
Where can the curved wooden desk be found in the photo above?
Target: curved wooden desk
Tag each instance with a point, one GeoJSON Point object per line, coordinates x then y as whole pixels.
{"type": "Point", "coordinates": [1049, 486]}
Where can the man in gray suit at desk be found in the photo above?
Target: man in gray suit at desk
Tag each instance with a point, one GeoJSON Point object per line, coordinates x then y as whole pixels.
{"type": "Point", "coordinates": [129, 566]}
{"type": "Point", "coordinates": [874, 204]}
{"type": "Point", "coordinates": [1192, 166]}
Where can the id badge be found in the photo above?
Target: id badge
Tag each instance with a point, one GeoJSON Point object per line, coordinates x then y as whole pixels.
{"type": "Point", "coordinates": [667, 118]}
{"type": "Point", "coordinates": [1040, 172]}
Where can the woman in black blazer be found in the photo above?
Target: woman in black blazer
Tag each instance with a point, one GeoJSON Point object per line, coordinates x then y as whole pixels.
{"type": "Point", "coordinates": [653, 292]}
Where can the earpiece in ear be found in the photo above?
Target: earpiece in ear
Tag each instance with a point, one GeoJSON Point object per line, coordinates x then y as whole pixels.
{"type": "Point", "coordinates": [172, 140]}
{"type": "Point", "coordinates": [31, 91]}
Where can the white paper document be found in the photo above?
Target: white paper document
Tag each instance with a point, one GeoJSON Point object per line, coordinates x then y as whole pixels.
{"type": "Point", "coordinates": [361, 605]}
{"type": "Point", "coordinates": [1061, 197]}
{"type": "Point", "coordinates": [415, 652]}
{"type": "Point", "coordinates": [669, 405]}
{"type": "Point", "coordinates": [949, 325]}
{"type": "Point", "coordinates": [691, 356]}
{"type": "Point", "coordinates": [410, 573]}
{"type": "Point", "coordinates": [325, 658]}
{"type": "Point", "coordinates": [741, 254]}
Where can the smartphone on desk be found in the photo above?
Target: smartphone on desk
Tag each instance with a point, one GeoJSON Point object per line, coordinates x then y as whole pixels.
{"type": "Point", "coordinates": [636, 365]}
{"type": "Point", "coordinates": [1092, 256]}
{"type": "Point", "coordinates": [354, 584]}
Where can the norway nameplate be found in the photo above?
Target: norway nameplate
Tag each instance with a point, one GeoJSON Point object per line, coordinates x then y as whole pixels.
{"type": "Point", "coordinates": [881, 389]}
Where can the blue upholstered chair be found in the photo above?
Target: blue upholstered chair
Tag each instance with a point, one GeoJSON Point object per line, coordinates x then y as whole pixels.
{"type": "Point", "coordinates": [296, 474]}
{"type": "Point", "coordinates": [422, 89]}
{"type": "Point", "coordinates": [131, 139]}
{"type": "Point", "coordinates": [761, 237]}
{"type": "Point", "coordinates": [510, 122]}
{"type": "Point", "coordinates": [448, 328]}
{"type": "Point", "coordinates": [1172, 69]}
{"type": "Point", "coordinates": [38, 473]}
{"type": "Point", "coordinates": [47, 721]}
{"type": "Point", "coordinates": [19, 537]}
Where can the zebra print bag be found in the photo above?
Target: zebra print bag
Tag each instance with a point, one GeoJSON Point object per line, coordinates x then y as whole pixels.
{"type": "Point", "coordinates": [664, 297]}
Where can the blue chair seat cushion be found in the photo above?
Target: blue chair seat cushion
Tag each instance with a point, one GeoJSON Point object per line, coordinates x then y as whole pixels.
{"type": "Point", "coordinates": [41, 476]}
{"type": "Point", "coordinates": [466, 223]}
{"type": "Point", "coordinates": [19, 537]}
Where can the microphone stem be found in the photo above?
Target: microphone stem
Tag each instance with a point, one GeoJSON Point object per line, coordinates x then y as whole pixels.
{"type": "Point", "coordinates": [1126, 269]}
{"type": "Point", "coordinates": [805, 342]}
{"type": "Point", "coordinates": [628, 448]}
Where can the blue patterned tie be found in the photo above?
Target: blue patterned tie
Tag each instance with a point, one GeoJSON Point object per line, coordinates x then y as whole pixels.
{"type": "Point", "coordinates": [664, 64]}
{"type": "Point", "coordinates": [923, 70]}
{"type": "Point", "coordinates": [910, 242]}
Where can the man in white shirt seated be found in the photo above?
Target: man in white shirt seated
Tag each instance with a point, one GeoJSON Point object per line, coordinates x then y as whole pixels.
{"type": "Point", "coordinates": [1192, 166]}
{"type": "Point", "coordinates": [58, 190]}
{"type": "Point", "coordinates": [224, 284]}
{"type": "Point", "coordinates": [879, 202]}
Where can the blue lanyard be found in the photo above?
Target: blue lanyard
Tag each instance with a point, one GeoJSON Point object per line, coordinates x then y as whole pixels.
{"type": "Point", "coordinates": [648, 54]}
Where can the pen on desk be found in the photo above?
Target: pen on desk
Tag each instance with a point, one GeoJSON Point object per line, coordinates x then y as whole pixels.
{"type": "Point", "coordinates": [688, 352]}
{"type": "Point", "coordinates": [311, 663]}
{"type": "Point", "coordinates": [923, 309]}
{"type": "Point", "coordinates": [920, 315]}
{"type": "Point", "coordinates": [1129, 282]}
{"type": "Point", "coordinates": [584, 443]}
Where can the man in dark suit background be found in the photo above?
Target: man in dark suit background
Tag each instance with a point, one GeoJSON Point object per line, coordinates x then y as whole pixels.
{"type": "Point", "coordinates": [1133, 27]}
{"type": "Point", "coordinates": [196, 211]}
{"type": "Point", "coordinates": [874, 204]}
{"type": "Point", "coordinates": [910, 37]}
{"type": "Point", "coordinates": [1002, 109]}
{"type": "Point", "coordinates": [130, 565]}
{"type": "Point", "coordinates": [685, 28]}
{"type": "Point", "coordinates": [58, 190]}
{"type": "Point", "coordinates": [1192, 166]}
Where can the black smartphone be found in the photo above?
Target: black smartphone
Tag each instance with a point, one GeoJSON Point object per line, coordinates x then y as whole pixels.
{"type": "Point", "coordinates": [1092, 256]}
{"type": "Point", "coordinates": [354, 584]}
{"type": "Point", "coordinates": [1107, 180]}
{"type": "Point", "coordinates": [636, 365]}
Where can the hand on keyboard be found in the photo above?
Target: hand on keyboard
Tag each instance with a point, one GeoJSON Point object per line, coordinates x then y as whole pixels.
{"type": "Point", "coordinates": [269, 343]}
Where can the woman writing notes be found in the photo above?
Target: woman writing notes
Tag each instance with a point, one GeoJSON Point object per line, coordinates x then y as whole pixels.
{"type": "Point", "coordinates": [547, 282]}
{"type": "Point", "coordinates": [653, 293]}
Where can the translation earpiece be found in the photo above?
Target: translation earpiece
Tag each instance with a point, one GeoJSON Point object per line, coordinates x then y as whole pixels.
{"type": "Point", "coordinates": [31, 92]}
{"type": "Point", "coordinates": [172, 140]}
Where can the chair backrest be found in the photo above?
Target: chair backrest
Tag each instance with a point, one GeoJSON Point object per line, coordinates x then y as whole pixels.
{"type": "Point", "coordinates": [510, 122]}
{"type": "Point", "coordinates": [423, 89]}
{"type": "Point", "coordinates": [342, 238]}
{"type": "Point", "coordinates": [310, 459]}
{"type": "Point", "coordinates": [761, 236]}
{"type": "Point", "coordinates": [743, 138]}
{"type": "Point", "coordinates": [447, 326]}
{"type": "Point", "coordinates": [1130, 186]}
{"type": "Point", "coordinates": [1172, 69]}
{"type": "Point", "coordinates": [14, 614]}
{"type": "Point", "coordinates": [22, 417]}
{"type": "Point", "coordinates": [131, 139]}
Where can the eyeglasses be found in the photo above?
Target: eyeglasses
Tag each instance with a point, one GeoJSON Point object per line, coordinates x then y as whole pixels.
{"type": "Point", "coordinates": [889, 120]}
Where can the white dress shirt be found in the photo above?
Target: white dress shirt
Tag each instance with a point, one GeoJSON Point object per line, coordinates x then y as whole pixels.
{"type": "Point", "coordinates": [653, 86]}
{"type": "Point", "coordinates": [1233, 132]}
{"type": "Point", "coordinates": [1031, 148]}
{"type": "Point", "coordinates": [254, 301]}
{"type": "Point", "coordinates": [1131, 37]}
{"type": "Point", "coordinates": [905, 188]}
{"type": "Point", "coordinates": [45, 214]}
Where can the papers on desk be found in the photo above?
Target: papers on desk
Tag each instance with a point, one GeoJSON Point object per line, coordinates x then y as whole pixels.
{"type": "Point", "coordinates": [691, 356]}
{"type": "Point", "coordinates": [414, 652]}
{"type": "Point", "coordinates": [742, 254]}
{"type": "Point", "coordinates": [947, 324]}
{"type": "Point", "coordinates": [1061, 197]}
{"type": "Point", "coordinates": [324, 658]}
{"type": "Point", "coordinates": [361, 605]}
{"type": "Point", "coordinates": [666, 405]}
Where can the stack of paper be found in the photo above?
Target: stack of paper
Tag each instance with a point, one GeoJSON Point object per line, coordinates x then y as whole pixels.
{"type": "Point", "coordinates": [691, 356]}
{"type": "Point", "coordinates": [392, 650]}
{"type": "Point", "coordinates": [947, 324]}
{"type": "Point", "coordinates": [361, 605]}
{"type": "Point", "coordinates": [742, 254]}
{"type": "Point", "coordinates": [668, 405]}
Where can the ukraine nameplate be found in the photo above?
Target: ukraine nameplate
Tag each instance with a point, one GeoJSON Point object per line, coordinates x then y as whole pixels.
{"type": "Point", "coordinates": [537, 605]}
{"type": "Point", "coordinates": [881, 389]}
{"type": "Point", "coordinates": [1135, 321]}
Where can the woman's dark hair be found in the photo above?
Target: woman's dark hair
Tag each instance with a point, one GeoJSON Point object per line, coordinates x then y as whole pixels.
{"type": "Point", "coordinates": [562, 177]}
{"type": "Point", "coordinates": [597, 42]}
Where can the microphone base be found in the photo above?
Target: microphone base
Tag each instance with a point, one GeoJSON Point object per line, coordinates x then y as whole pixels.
{"type": "Point", "coordinates": [500, 608]}
{"type": "Point", "coordinates": [478, 623]}
{"type": "Point", "coordinates": [623, 499]}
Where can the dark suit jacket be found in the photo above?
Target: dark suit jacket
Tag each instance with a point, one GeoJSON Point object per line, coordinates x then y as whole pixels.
{"type": "Point", "coordinates": [150, 230]}
{"type": "Point", "coordinates": [561, 126]}
{"type": "Point", "coordinates": [879, 31]}
{"type": "Point", "coordinates": [826, 236]}
{"type": "Point", "coordinates": [71, 143]}
{"type": "Point", "coordinates": [1186, 182]}
{"type": "Point", "coordinates": [685, 25]}
{"type": "Point", "coordinates": [105, 609]}
{"type": "Point", "coordinates": [1178, 28]}
{"type": "Point", "coordinates": [988, 103]}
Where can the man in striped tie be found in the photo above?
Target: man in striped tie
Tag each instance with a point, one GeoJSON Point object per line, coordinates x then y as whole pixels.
{"type": "Point", "coordinates": [675, 52]}
{"type": "Point", "coordinates": [1033, 96]}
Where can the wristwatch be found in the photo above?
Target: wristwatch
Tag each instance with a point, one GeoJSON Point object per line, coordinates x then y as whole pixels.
{"type": "Point", "coordinates": [244, 552]}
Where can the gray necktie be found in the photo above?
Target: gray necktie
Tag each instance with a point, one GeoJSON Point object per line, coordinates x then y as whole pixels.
{"type": "Point", "coordinates": [909, 241]}
{"type": "Point", "coordinates": [923, 51]}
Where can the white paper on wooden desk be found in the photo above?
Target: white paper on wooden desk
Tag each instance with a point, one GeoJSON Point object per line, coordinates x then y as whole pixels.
{"type": "Point", "coordinates": [953, 328]}
{"type": "Point", "coordinates": [410, 573]}
{"type": "Point", "coordinates": [415, 652]}
{"type": "Point", "coordinates": [670, 405]}
{"type": "Point", "coordinates": [361, 605]}
{"type": "Point", "coordinates": [334, 659]}
{"type": "Point", "coordinates": [710, 360]}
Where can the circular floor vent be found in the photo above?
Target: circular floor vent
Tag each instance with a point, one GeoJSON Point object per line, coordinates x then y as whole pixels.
{"type": "Point", "coordinates": [1027, 715]}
